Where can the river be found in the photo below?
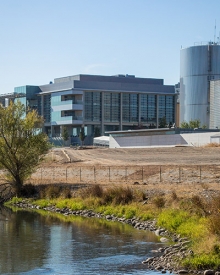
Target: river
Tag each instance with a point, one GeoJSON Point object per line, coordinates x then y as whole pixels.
{"type": "Point", "coordinates": [33, 243]}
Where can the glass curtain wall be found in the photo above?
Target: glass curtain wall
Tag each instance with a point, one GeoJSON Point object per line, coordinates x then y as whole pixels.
{"type": "Point", "coordinates": [130, 108]}
{"type": "Point", "coordinates": [44, 107]}
{"type": "Point", "coordinates": [167, 108]}
{"type": "Point", "coordinates": [148, 109]}
{"type": "Point", "coordinates": [111, 107]}
{"type": "Point", "coordinates": [92, 106]}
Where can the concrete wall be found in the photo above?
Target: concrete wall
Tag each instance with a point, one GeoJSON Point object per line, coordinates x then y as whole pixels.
{"type": "Point", "coordinates": [198, 139]}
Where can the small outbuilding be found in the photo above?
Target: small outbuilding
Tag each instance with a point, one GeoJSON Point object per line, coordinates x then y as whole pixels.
{"type": "Point", "coordinates": [161, 137]}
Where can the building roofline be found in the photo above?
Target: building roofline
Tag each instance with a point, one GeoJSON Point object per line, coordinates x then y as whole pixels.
{"type": "Point", "coordinates": [106, 90]}
{"type": "Point", "coordinates": [141, 131]}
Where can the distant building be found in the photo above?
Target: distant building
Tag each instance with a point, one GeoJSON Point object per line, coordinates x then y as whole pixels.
{"type": "Point", "coordinates": [177, 91]}
{"type": "Point", "coordinates": [199, 65]}
{"type": "Point", "coordinates": [100, 104]}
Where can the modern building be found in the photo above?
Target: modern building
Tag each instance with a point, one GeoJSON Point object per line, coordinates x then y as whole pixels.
{"type": "Point", "coordinates": [199, 65]}
{"type": "Point", "coordinates": [100, 104]}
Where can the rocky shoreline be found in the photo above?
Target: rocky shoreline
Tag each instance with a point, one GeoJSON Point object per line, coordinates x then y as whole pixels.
{"type": "Point", "coordinates": [168, 257]}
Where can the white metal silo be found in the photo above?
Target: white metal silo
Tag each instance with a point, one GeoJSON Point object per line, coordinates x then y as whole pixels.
{"type": "Point", "coordinates": [198, 65]}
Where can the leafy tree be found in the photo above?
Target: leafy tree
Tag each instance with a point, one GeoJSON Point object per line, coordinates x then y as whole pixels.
{"type": "Point", "coordinates": [162, 122]}
{"type": "Point", "coordinates": [184, 125]}
{"type": "Point", "coordinates": [65, 134]}
{"type": "Point", "coordinates": [22, 144]}
{"type": "Point", "coordinates": [82, 135]}
{"type": "Point", "coordinates": [97, 132]}
{"type": "Point", "coordinates": [191, 124]}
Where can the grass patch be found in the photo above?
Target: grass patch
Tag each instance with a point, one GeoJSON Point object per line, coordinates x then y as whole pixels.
{"type": "Point", "coordinates": [203, 261]}
{"type": "Point", "coordinates": [14, 200]}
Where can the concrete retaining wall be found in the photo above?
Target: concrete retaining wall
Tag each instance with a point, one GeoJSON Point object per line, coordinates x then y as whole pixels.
{"type": "Point", "coordinates": [197, 139]}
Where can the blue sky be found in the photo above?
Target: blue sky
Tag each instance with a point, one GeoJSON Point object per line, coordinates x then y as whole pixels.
{"type": "Point", "coordinates": [44, 39]}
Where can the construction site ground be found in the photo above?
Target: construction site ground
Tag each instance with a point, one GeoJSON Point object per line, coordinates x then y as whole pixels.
{"type": "Point", "coordinates": [185, 170]}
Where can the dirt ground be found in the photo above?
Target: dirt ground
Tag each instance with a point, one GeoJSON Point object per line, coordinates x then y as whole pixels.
{"type": "Point", "coordinates": [145, 156]}
{"type": "Point", "coordinates": [185, 170]}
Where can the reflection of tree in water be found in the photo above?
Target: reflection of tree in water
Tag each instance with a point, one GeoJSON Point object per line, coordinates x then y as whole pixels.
{"type": "Point", "coordinates": [21, 248]}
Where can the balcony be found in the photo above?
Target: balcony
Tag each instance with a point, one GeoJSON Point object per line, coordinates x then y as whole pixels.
{"type": "Point", "coordinates": [71, 120]}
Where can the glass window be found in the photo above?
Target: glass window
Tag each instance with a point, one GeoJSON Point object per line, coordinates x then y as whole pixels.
{"type": "Point", "coordinates": [167, 108]}
{"type": "Point", "coordinates": [130, 103]}
{"type": "Point", "coordinates": [111, 107]}
{"type": "Point", "coordinates": [92, 106]}
{"type": "Point", "coordinates": [148, 108]}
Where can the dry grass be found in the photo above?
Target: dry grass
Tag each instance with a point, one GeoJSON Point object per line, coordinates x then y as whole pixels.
{"type": "Point", "coordinates": [213, 144]}
{"type": "Point", "coordinates": [206, 245]}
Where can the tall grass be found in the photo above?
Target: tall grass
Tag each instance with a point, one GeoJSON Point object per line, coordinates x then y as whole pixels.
{"type": "Point", "coordinates": [202, 261]}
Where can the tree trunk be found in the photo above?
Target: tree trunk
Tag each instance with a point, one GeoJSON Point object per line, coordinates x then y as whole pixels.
{"type": "Point", "coordinates": [18, 183]}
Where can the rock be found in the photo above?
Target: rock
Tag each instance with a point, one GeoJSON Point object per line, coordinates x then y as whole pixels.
{"type": "Point", "coordinates": [183, 271]}
{"type": "Point", "coordinates": [209, 272]}
{"type": "Point", "coordinates": [164, 240]}
{"type": "Point", "coordinates": [159, 231]}
{"type": "Point", "coordinates": [163, 271]}
{"type": "Point", "coordinates": [154, 251]}
{"type": "Point", "coordinates": [159, 267]}
{"type": "Point", "coordinates": [148, 260]}
{"type": "Point", "coordinates": [217, 273]}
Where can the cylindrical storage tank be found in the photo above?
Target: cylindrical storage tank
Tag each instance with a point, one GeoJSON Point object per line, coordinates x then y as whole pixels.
{"type": "Point", "coordinates": [198, 65]}
{"type": "Point", "coordinates": [215, 104]}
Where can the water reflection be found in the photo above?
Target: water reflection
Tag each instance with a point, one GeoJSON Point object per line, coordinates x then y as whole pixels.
{"type": "Point", "coordinates": [43, 244]}
{"type": "Point", "coordinates": [21, 248]}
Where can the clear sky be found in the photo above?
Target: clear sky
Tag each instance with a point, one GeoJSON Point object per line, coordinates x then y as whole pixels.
{"type": "Point", "coordinates": [44, 39]}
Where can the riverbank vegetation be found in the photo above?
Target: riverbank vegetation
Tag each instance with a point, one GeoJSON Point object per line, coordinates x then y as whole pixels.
{"type": "Point", "coordinates": [197, 218]}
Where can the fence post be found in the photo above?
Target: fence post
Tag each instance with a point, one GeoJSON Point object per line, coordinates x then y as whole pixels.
{"type": "Point", "coordinates": [109, 174]}
{"type": "Point", "coordinates": [94, 175]}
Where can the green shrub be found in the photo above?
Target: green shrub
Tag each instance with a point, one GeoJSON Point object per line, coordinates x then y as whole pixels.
{"type": "Point", "coordinates": [202, 261]}
{"type": "Point", "coordinates": [194, 228]}
{"type": "Point", "coordinates": [172, 218]}
{"type": "Point", "coordinates": [130, 212]}
{"type": "Point", "coordinates": [15, 200]}
{"type": "Point", "coordinates": [42, 203]}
